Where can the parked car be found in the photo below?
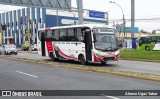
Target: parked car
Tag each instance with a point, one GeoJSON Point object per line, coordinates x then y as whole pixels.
{"type": "Point", "coordinates": [34, 47]}
{"type": "Point", "coordinates": [25, 46]}
{"type": "Point", "coordinates": [9, 49]}
{"type": "Point", "coordinates": [1, 49]}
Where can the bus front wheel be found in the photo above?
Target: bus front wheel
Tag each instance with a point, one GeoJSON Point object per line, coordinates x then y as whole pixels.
{"type": "Point", "coordinates": [82, 60]}
{"type": "Point", "coordinates": [147, 48]}
{"type": "Point", "coordinates": [103, 63]}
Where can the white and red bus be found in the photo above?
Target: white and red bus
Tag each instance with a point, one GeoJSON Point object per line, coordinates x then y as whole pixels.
{"type": "Point", "coordinates": [84, 43]}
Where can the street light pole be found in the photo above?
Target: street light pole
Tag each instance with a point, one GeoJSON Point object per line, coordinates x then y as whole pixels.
{"type": "Point", "coordinates": [132, 17]}
{"type": "Point", "coordinates": [80, 10]}
{"type": "Point", "coordinates": [124, 23]}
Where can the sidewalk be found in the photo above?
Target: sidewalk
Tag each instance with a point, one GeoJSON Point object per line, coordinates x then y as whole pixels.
{"type": "Point", "coordinates": [21, 51]}
{"type": "Point", "coordinates": [32, 52]}
{"type": "Point", "coordinates": [30, 55]}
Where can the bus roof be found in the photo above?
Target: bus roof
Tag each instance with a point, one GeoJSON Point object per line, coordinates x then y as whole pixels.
{"type": "Point", "coordinates": [82, 25]}
{"type": "Point", "coordinates": [154, 35]}
{"type": "Point", "coordinates": [150, 35]}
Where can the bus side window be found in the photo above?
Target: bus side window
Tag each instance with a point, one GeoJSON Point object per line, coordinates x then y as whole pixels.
{"type": "Point", "coordinates": [79, 35]}
{"type": "Point", "coordinates": [148, 40]}
{"type": "Point", "coordinates": [71, 34]}
{"type": "Point", "coordinates": [63, 35]}
{"type": "Point", "coordinates": [49, 35]}
{"type": "Point", "coordinates": [158, 39]}
{"type": "Point", "coordinates": [56, 35]}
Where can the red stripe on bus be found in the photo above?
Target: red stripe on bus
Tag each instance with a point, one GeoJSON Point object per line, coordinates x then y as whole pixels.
{"type": "Point", "coordinates": [71, 57]}
{"type": "Point", "coordinates": [47, 29]}
{"type": "Point", "coordinates": [49, 46]}
{"type": "Point", "coordinates": [97, 59]}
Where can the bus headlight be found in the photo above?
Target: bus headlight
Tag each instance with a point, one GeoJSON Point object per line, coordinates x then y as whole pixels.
{"type": "Point", "coordinates": [116, 52]}
{"type": "Point", "coordinates": [98, 55]}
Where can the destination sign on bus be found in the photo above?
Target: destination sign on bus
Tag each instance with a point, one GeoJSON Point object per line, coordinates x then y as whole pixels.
{"type": "Point", "coordinates": [104, 30]}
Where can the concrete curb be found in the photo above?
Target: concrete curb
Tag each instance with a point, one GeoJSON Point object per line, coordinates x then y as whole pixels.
{"type": "Point", "coordinates": [144, 76]}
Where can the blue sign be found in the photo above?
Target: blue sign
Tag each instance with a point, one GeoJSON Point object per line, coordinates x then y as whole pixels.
{"type": "Point", "coordinates": [128, 29]}
{"type": "Point", "coordinates": [133, 43]}
{"type": "Point", "coordinates": [96, 14]}
{"type": "Point", "coordinates": [25, 20]}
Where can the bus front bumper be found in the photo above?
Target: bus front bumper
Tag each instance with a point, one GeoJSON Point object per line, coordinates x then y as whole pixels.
{"type": "Point", "coordinates": [105, 58]}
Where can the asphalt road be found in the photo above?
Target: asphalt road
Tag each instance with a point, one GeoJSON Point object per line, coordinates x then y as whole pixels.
{"type": "Point", "coordinates": [122, 65]}
{"type": "Point", "coordinates": [26, 76]}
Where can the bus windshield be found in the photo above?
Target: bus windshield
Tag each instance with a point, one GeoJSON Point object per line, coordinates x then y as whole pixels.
{"type": "Point", "coordinates": [105, 42]}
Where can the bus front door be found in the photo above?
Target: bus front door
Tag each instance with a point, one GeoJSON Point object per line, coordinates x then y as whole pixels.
{"type": "Point", "coordinates": [43, 44]}
{"type": "Point", "coordinates": [88, 44]}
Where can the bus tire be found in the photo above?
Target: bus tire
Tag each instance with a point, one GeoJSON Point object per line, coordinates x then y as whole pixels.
{"type": "Point", "coordinates": [103, 63]}
{"type": "Point", "coordinates": [52, 56]}
{"type": "Point", "coordinates": [147, 48]}
{"type": "Point", "coordinates": [82, 60]}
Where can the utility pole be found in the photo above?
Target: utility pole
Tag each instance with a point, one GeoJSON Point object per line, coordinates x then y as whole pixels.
{"type": "Point", "coordinates": [132, 18]}
{"type": "Point", "coordinates": [80, 10]}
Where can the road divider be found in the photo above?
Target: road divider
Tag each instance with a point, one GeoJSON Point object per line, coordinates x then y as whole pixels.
{"type": "Point", "coordinates": [144, 76]}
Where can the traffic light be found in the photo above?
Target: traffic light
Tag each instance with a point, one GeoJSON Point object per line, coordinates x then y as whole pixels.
{"type": "Point", "coordinates": [21, 20]}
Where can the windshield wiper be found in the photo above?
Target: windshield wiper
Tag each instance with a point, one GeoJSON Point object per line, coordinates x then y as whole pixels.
{"type": "Point", "coordinates": [106, 49]}
{"type": "Point", "coordinates": [111, 49]}
{"type": "Point", "coordinates": [115, 49]}
{"type": "Point", "coordinates": [99, 49]}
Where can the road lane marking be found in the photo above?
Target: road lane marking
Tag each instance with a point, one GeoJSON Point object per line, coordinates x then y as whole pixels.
{"type": "Point", "coordinates": [26, 74]}
{"type": "Point", "coordinates": [109, 96]}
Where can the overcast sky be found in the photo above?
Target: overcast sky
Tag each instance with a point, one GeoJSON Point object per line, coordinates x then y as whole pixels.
{"type": "Point", "coordinates": [144, 9]}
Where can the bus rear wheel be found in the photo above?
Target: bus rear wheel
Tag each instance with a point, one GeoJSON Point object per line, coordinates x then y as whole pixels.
{"type": "Point", "coordinates": [52, 57]}
{"type": "Point", "coordinates": [147, 48]}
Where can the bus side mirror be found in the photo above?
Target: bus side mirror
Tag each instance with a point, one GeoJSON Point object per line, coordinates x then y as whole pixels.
{"type": "Point", "coordinates": [94, 37]}
{"type": "Point", "coordinates": [137, 41]}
